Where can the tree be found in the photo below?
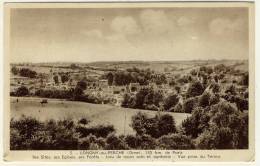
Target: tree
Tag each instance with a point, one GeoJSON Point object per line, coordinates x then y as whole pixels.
{"type": "Point", "coordinates": [78, 94]}
{"type": "Point", "coordinates": [175, 141]}
{"type": "Point", "coordinates": [73, 66]}
{"type": "Point", "coordinates": [56, 79]}
{"type": "Point", "coordinates": [231, 89]}
{"type": "Point", "coordinates": [14, 70]}
{"type": "Point", "coordinates": [204, 99]}
{"type": "Point", "coordinates": [115, 143]}
{"type": "Point", "coordinates": [64, 78]}
{"type": "Point", "coordinates": [82, 85]}
{"type": "Point", "coordinates": [228, 128]}
{"type": "Point", "coordinates": [190, 104]}
{"type": "Point", "coordinates": [110, 78]}
{"type": "Point", "coordinates": [196, 123]}
{"type": "Point", "coordinates": [195, 89]}
{"type": "Point", "coordinates": [215, 87]}
{"type": "Point", "coordinates": [155, 126]}
{"type": "Point", "coordinates": [139, 98]}
{"type": "Point", "coordinates": [126, 100]}
{"type": "Point", "coordinates": [153, 98]}
{"type": "Point", "coordinates": [166, 124]}
{"type": "Point", "coordinates": [27, 73]}
{"type": "Point", "coordinates": [170, 101]}
{"type": "Point", "coordinates": [22, 91]}
{"type": "Point", "coordinates": [244, 79]}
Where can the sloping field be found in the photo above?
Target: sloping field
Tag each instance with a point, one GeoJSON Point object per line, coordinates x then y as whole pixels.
{"type": "Point", "coordinates": [119, 117]}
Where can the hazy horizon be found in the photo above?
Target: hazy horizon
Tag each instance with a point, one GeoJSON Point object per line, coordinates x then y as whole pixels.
{"type": "Point", "coordinates": [129, 34]}
{"type": "Point", "coordinates": [133, 61]}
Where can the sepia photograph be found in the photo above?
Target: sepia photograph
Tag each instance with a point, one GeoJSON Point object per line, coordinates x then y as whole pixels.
{"type": "Point", "coordinates": [139, 76]}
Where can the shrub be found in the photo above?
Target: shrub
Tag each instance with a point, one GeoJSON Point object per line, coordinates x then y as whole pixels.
{"type": "Point", "coordinates": [216, 138]}
{"type": "Point", "coordinates": [166, 124]}
{"type": "Point", "coordinates": [228, 128]}
{"type": "Point", "coordinates": [204, 99]}
{"type": "Point", "coordinates": [83, 121]}
{"type": "Point", "coordinates": [155, 126]}
{"type": "Point", "coordinates": [146, 142]}
{"type": "Point", "coordinates": [27, 73]}
{"type": "Point", "coordinates": [175, 141]}
{"type": "Point", "coordinates": [98, 131]}
{"type": "Point", "coordinates": [215, 87]}
{"type": "Point", "coordinates": [197, 122]}
{"type": "Point", "coordinates": [195, 89]}
{"type": "Point", "coordinates": [30, 134]}
{"type": "Point", "coordinates": [22, 91]}
{"type": "Point", "coordinates": [115, 143]}
{"type": "Point", "coordinates": [170, 101]}
{"type": "Point", "coordinates": [178, 108]}
{"type": "Point", "coordinates": [14, 70]}
{"type": "Point", "coordinates": [91, 142]}
{"type": "Point", "coordinates": [190, 104]}
{"type": "Point", "coordinates": [244, 79]}
{"type": "Point", "coordinates": [231, 89]}
{"type": "Point", "coordinates": [131, 141]}
{"type": "Point", "coordinates": [214, 99]}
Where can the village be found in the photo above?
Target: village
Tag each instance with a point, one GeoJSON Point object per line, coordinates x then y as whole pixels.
{"type": "Point", "coordinates": [97, 85]}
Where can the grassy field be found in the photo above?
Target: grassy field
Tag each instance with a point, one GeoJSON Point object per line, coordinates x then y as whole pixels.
{"type": "Point", "coordinates": [98, 114]}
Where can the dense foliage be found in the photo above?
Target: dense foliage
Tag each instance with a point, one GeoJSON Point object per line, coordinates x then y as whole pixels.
{"type": "Point", "coordinates": [25, 72]}
{"type": "Point", "coordinates": [134, 75]}
{"type": "Point", "coordinates": [146, 98]}
{"type": "Point", "coordinates": [30, 134]}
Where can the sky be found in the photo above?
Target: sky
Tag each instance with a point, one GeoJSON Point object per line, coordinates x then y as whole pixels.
{"type": "Point", "coordinates": [124, 34]}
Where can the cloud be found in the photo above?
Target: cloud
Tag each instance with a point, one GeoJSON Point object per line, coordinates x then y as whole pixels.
{"type": "Point", "coordinates": [194, 37]}
{"type": "Point", "coordinates": [93, 33]}
{"type": "Point", "coordinates": [155, 21]}
{"type": "Point", "coordinates": [224, 26]}
{"type": "Point", "coordinates": [125, 25]}
{"type": "Point", "coordinates": [184, 21]}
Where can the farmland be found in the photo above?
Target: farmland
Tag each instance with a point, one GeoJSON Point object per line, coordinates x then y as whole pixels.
{"type": "Point", "coordinates": [57, 109]}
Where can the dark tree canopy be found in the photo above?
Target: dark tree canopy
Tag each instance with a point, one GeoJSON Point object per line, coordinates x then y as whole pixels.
{"type": "Point", "coordinates": [25, 72]}
{"type": "Point", "coordinates": [22, 91]}
{"type": "Point", "coordinates": [195, 89]}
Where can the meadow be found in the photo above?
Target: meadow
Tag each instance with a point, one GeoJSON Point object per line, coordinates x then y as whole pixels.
{"type": "Point", "coordinates": [98, 114]}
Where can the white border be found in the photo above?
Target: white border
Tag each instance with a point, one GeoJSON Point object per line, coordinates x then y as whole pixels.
{"type": "Point", "coordinates": [257, 80]}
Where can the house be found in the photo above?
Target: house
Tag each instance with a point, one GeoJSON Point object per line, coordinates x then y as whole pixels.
{"type": "Point", "coordinates": [103, 83]}
{"type": "Point", "coordinates": [119, 89]}
{"type": "Point", "coordinates": [134, 87]}
{"type": "Point", "coordinates": [118, 99]}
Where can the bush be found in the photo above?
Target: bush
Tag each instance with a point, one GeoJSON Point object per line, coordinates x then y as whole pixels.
{"type": "Point", "coordinates": [195, 89]}
{"type": "Point", "coordinates": [91, 142]}
{"type": "Point", "coordinates": [155, 126]}
{"type": "Point", "coordinates": [27, 73]}
{"type": "Point", "coordinates": [170, 101]}
{"type": "Point", "coordinates": [98, 131]}
{"type": "Point", "coordinates": [228, 129]}
{"type": "Point", "coordinates": [30, 134]}
{"type": "Point", "coordinates": [22, 131]}
{"type": "Point", "coordinates": [115, 143]}
{"type": "Point", "coordinates": [204, 99]}
{"type": "Point", "coordinates": [190, 104]}
{"type": "Point", "coordinates": [216, 138]}
{"type": "Point", "coordinates": [175, 141]}
{"type": "Point", "coordinates": [146, 142]}
{"type": "Point", "coordinates": [231, 89]}
{"type": "Point", "coordinates": [244, 79]}
{"type": "Point", "coordinates": [215, 87]}
{"type": "Point", "coordinates": [14, 70]}
{"type": "Point", "coordinates": [22, 91]}
{"type": "Point", "coordinates": [197, 122]}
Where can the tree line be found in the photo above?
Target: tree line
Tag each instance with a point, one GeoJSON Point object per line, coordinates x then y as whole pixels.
{"type": "Point", "coordinates": [134, 75]}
